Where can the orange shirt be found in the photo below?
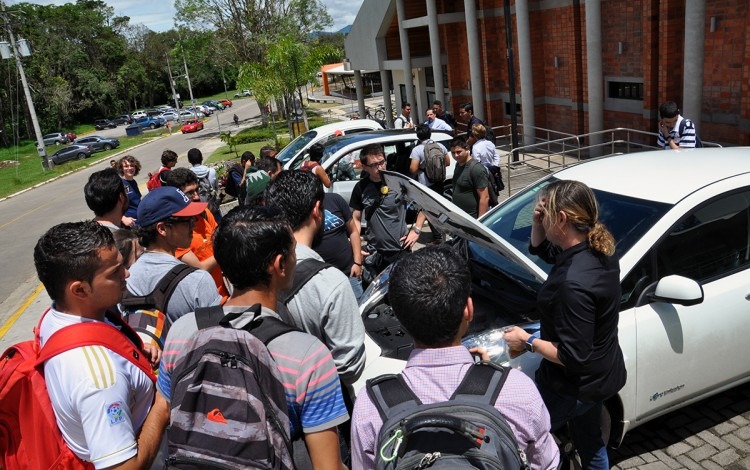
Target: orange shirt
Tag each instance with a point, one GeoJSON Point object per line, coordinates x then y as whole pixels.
{"type": "Point", "coordinates": [202, 246]}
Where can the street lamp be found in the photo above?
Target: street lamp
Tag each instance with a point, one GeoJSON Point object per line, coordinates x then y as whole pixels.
{"type": "Point", "coordinates": [17, 50]}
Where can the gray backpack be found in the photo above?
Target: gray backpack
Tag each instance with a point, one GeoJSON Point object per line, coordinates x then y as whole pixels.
{"type": "Point", "coordinates": [205, 191]}
{"type": "Point", "coordinates": [434, 162]}
{"type": "Point", "coordinates": [228, 407]}
{"type": "Point", "coordinates": [466, 432]}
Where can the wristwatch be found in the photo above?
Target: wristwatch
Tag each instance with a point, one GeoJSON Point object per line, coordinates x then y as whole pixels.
{"type": "Point", "coordinates": [530, 342]}
{"type": "Point", "coordinates": [417, 230]}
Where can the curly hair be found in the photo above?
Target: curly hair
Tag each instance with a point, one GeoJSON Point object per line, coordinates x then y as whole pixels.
{"type": "Point", "coordinates": [133, 162]}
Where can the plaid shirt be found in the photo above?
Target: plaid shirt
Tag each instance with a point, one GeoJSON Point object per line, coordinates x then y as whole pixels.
{"type": "Point", "coordinates": [433, 375]}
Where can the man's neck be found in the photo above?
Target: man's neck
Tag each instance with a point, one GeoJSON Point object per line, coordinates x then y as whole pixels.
{"type": "Point", "coordinates": [110, 218]}
{"type": "Point", "coordinates": [161, 246]}
{"type": "Point", "coordinates": [305, 236]}
{"type": "Point", "coordinates": [251, 296]}
{"type": "Point", "coordinates": [79, 310]}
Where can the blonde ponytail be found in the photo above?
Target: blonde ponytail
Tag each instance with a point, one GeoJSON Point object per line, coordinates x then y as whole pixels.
{"type": "Point", "coordinates": [601, 240]}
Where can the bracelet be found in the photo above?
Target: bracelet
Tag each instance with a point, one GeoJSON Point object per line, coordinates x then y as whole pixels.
{"type": "Point", "coordinates": [358, 264]}
{"type": "Point", "coordinates": [417, 230]}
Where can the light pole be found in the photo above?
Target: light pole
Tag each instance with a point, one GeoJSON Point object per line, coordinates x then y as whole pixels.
{"type": "Point", "coordinates": [16, 51]}
{"type": "Point", "coordinates": [174, 94]}
{"type": "Point", "coordinates": [187, 76]}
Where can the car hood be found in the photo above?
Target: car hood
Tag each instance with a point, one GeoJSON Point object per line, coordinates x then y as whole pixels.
{"type": "Point", "coordinates": [450, 219]}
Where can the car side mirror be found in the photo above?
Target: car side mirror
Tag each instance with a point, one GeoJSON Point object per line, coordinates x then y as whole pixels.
{"type": "Point", "coordinates": [677, 290]}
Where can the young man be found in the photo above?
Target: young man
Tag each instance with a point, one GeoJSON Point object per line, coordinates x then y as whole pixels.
{"type": "Point", "coordinates": [200, 253]}
{"type": "Point", "coordinates": [104, 405]}
{"type": "Point", "coordinates": [207, 181]}
{"type": "Point", "coordinates": [105, 195]}
{"type": "Point", "coordinates": [168, 161]}
{"type": "Point", "coordinates": [403, 121]}
{"type": "Point", "coordinates": [417, 158]}
{"type": "Point", "coordinates": [430, 296]}
{"type": "Point", "coordinates": [325, 307]}
{"type": "Point", "coordinates": [470, 191]}
{"type": "Point", "coordinates": [167, 217]}
{"type": "Point", "coordinates": [437, 107]}
{"type": "Point", "coordinates": [255, 248]}
{"type": "Point", "coordinates": [388, 236]}
{"type": "Point", "coordinates": [436, 123]}
{"type": "Point", "coordinates": [466, 113]}
{"type": "Point", "coordinates": [236, 177]}
{"type": "Point", "coordinates": [675, 131]}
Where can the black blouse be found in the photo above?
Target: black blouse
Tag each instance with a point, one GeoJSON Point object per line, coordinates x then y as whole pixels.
{"type": "Point", "coordinates": [579, 308]}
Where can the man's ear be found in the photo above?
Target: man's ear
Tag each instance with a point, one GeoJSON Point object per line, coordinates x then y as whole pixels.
{"type": "Point", "coordinates": [469, 310]}
{"type": "Point", "coordinates": [78, 290]}
{"type": "Point", "coordinates": [161, 229]}
{"type": "Point", "coordinates": [318, 209]}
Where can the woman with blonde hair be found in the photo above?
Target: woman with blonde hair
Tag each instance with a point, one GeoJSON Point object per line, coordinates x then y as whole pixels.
{"type": "Point", "coordinates": [579, 306]}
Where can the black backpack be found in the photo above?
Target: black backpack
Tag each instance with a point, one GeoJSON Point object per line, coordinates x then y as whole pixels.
{"type": "Point", "coordinates": [147, 314]}
{"type": "Point", "coordinates": [492, 188]}
{"type": "Point", "coordinates": [228, 407]}
{"type": "Point", "coordinates": [434, 162]}
{"type": "Point", "coordinates": [230, 186]}
{"type": "Point", "coordinates": [465, 432]}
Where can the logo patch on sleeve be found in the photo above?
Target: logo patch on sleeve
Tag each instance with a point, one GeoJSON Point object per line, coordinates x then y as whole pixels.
{"type": "Point", "coordinates": [115, 413]}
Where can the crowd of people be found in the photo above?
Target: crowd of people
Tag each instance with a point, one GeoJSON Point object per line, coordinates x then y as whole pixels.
{"type": "Point", "coordinates": [278, 278]}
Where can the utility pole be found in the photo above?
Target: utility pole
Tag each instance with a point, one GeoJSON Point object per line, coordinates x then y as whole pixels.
{"type": "Point", "coordinates": [187, 76]}
{"type": "Point", "coordinates": [174, 94]}
{"type": "Point", "coordinates": [14, 51]}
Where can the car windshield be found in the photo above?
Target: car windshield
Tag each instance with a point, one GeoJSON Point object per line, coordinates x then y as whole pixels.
{"type": "Point", "coordinates": [295, 146]}
{"type": "Point", "coordinates": [627, 218]}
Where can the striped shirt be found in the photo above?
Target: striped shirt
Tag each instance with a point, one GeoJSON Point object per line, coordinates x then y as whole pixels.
{"type": "Point", "coordinates": [684, 139]}
{"type": "Point", "coordinates": [313, 390]}
{"type": "Point", "coordinates": [433, 375]}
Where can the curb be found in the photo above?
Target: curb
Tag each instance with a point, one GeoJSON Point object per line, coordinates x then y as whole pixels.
{"type": "Point", "coordinates": [83, 167]}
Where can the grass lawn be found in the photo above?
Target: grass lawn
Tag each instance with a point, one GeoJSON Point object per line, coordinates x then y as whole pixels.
{"type": "Point", "coordinates": [21, 167]}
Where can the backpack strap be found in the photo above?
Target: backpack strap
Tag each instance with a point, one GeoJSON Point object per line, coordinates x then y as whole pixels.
{"type": "Point", "coordinates": [266, 329]}
{"type": "Point", "coordinates": [482, 383]}
{"type": "Point", "coordinates": [159, 297]}
{"type": "Point", "coordinates": [303, 272]}
{"type": "Point", "coordinates": [207, 317]}
{"type": "Point", "coordinates": [390, 391]}
{"type": "Point", "coordinates": [269, 328]}
{"type": "Point", "coordinates": [95, 334]}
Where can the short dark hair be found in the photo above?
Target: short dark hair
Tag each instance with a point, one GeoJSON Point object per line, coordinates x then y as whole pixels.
{"type": "Point", "coordinates": [468, 107]}
{"type": "Point", "coordinates": [428, 292]}
{"type": "Point", "coordinates": [460, 141]}
{"type": "Point", "coordinates": [247, 155]}
{"type": "Point", "coordinates": [316, 152]}
{"type": "Point", "coordinates": [126, 242]}
{"type": "Point", "coordinates": [268, 164]}
{"type": "Point", "coordinates": [423, 131]}
{"type": "Point", "coordinates": [370, 150]}
{"type": "Point", "coordinates": [103, 190]}
{"type": "Point", "coordinates": [180, 177]}
{"type": "Point", "coordinates": [195, 156]}
{"type": "Point", "coordinates": [169, 156]}
{"type": "Point", "coordinates": [437, 102]}
{"type": "Point", "coordinates": [294, 193]}
{"type": "Point", "coordinates": [668, 109]}
{"type": "Point", "coordinates": [70, 252]}
{"type": "Point", "coordinates": [405, 104]}
{"type": "Point", "coordinates": [266, 150]}
{"type": "Point", "coordinates": [247, 241]}
{"type": "Point", "coordinates": [130, 159]}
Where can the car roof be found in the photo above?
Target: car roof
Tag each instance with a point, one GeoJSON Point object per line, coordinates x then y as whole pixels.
{"type": "Point", "coordinates": [346, 125]}
{"type": "Point", "coordinates": [662, 175]}
{"type": "Point", "coordinates": [383, 135]}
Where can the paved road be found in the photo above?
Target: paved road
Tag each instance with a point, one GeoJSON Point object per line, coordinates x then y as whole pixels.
{"type": "Point", "coordinates": [24, 217]}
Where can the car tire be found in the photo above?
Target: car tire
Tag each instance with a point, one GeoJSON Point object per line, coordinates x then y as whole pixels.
{"type": "Point", "coordinates": [107, 147]}
{"type": "Point", "coordinates": [152, 126]}
{"type": "Point", "coordinates": [81, 156]}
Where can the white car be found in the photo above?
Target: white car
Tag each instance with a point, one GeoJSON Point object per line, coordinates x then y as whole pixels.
{"type": "Point", "coordinates": [681, 220]}
{"type": "Point", "coordinates": [341, 155]}
{"type": "Point", "coordinates": [290, 156]}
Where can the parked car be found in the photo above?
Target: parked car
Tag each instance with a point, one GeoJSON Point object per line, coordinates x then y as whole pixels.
{"type": "Point", "coordinates": [151, 123]}
{"type": "Point", "coordinates": [226, 102]}
{"type": "Point", "coordinates": [243, 93]}
{"type": "Point", "coordinates": [70, 152]}
{"type": "Point", "coordinates": [97, 143]}
{"type": "Point", "coordinates": [297, 148]}
{"type": "Point", "coordinates": [101, 124]}
{"type": "Point", "coordinates": [683, 241]}
{"type": "Point", "coordinates": [190, 114]}
{"type": "Point", "coordinates": [193, 125]}
{"type": "Point", "coordinates": [56, 138]}
{"type": "Point", "coordinates": [211, 104]}
{"type": "Point", "coordinates": [138, 114]}
{"type": "Point", "coordinates": [170, 116]}
{"type": "Point", "coordinates": [122, 119]}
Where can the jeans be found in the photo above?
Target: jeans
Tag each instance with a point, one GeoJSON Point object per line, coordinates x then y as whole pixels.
{"type": "Point", "coordinates": [356, 283]}
{"type": "Point", "coordinates": [585, 425]}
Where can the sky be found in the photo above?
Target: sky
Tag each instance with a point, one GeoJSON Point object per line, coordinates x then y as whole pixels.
{"type": "Point", "coordinates": [158, 15]}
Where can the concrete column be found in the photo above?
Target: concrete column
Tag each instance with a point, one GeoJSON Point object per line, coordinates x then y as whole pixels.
{"type": "Point", "coordinates": [475, 58]}
{"type": "Point", "coordinates": [360, 93]}
{"type": "Point", "coordinates": [527, 77]}
{"type": "Point", "coordinates": [385, 80]}
{"type": "Point", "coordinates": [594, 71]}
{"type": "Point", "coordinates": [437, 65]}
{"type": "Point", "coordinates": [692, 85]}
{"type": "Point", "coordinates": [403, 37]}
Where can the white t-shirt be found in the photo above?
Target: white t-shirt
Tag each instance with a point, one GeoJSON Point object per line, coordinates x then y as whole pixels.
{"type": "Point", "coordinates": [100, 398]}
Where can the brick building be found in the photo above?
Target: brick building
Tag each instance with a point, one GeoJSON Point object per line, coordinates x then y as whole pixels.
{"type": "Point", "coordinates": [576, 71]}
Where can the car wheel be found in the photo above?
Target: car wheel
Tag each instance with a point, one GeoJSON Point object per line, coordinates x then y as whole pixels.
{"type": "Point", "coordinates": [107, 147]}
{"type": "Point", "coordinates": [81, 156]}
{"type": "Point", "coordinates": [152, 126]}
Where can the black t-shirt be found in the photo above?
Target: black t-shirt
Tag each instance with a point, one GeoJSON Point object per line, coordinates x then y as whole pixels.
{"type": "Point", "coordinates": [385, 214]}
{"type": "Point", "coordinates": [334, 247]}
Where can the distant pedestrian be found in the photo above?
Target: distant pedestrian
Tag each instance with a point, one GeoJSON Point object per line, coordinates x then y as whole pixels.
{"type": "Point", "coordinates": [236, 121]}
{"type": "Point", "coordinates": [129, 167]}
{"type": "Point", "coordinates": [169, 127]}
{"type": "Point", "coordinates": [675, 131]}
{"type": "Point", "coordinates": [113, 164]}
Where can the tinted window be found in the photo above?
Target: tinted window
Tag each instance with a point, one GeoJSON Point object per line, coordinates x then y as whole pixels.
{"type": "Point", "coordinates": [295, 146]}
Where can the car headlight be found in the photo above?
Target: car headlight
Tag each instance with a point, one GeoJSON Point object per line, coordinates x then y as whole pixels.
{"type": "Point", "coordinates": [376, 290]}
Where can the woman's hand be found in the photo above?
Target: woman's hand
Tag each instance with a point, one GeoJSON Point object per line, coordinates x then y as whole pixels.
{"type": "Point", "coordinates": [153, 353]}
{"type": "Point", "coordinates": [515, 338]}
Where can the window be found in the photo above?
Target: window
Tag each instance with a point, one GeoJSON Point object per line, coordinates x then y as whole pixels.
{"type": "Point", "coordinates": [507, 109]}
{"type": "Point", "coordinates": [625, 90]}
{"type": "Point", "coordinates": [710, 242]}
